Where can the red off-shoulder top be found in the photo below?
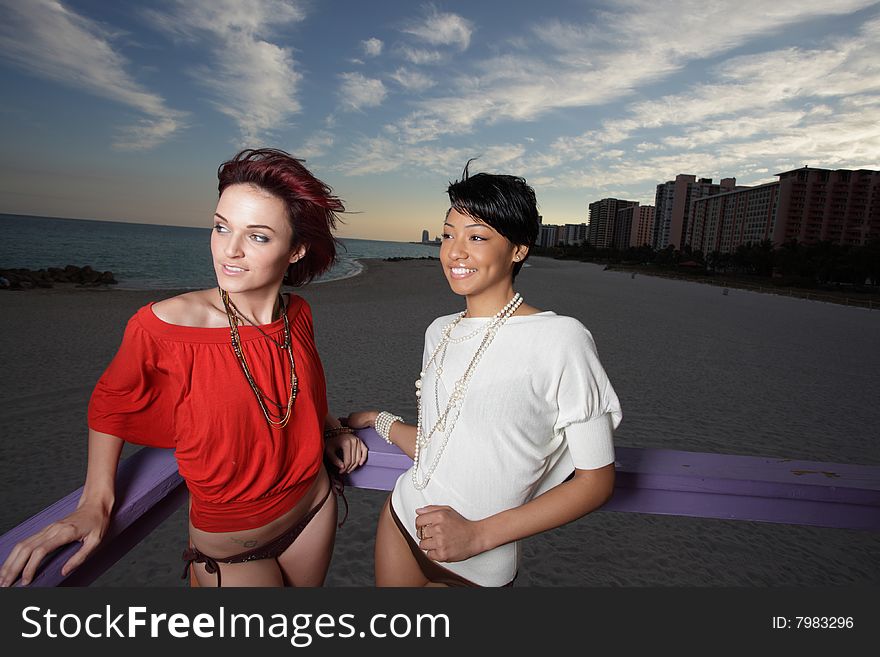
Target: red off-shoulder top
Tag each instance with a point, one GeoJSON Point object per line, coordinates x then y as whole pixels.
{"type": "Point", "coordinates": [182, 387]}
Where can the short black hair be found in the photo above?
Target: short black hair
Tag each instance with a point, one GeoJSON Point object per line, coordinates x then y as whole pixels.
{"type": "Point", "coordinates": [506, 203]}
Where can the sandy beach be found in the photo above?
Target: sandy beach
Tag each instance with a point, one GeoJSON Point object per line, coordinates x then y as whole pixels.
{"type": "Point", "coordinates": [743, 373]}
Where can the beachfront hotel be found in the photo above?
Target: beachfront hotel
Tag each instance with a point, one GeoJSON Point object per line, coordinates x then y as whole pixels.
{"type": "Point", "coordinates": [574, 234]}
{"type": "Point", "coordinates": [603, 217]}
{"type": "Point", "coordinates": [634, 226]}
{"type": "Point", "coordinates": [840, 206]}
{"type": "Point", "coordinates": [672, 206]}
{"type": "Point", "coordinates": [613, 223]}
{"type": "Point", "coordinates": [565, 235]}
{"type": "Point", "coordinates": [548, 235]}
{"type": "Point", "coordinates": [724, 221]}
{"type": "Point", "coordinates": [808, 205]}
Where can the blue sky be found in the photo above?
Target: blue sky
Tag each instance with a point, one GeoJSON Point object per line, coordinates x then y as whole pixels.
{"type": "Point", "coordinates": [123, 110]}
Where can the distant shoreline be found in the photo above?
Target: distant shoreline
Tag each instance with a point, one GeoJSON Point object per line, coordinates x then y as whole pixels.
{"type": "Point", "coordinates": [854, 299]}
{"type": "Point", "coordinates": [862, 300]}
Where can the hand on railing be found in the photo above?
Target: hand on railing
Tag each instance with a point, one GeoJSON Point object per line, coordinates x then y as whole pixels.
{"type": "Point", "coordinates": [87, 524]}
{"type": "Point", "coordinates": [345, 450]}
{"type": "Point", "coordinates": [390, 427]}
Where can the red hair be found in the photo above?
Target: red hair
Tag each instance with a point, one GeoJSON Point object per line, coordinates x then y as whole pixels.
{"type": "Point", "coordinates": [311, 206]}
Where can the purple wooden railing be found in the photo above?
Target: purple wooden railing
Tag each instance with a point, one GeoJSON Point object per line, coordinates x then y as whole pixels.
{"type": "Point", "coordinates": [665, 482]}
{"type": "Point", "coordinates": [148, 490]}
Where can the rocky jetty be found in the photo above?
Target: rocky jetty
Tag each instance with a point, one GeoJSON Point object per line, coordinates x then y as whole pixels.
{"type": "Point", "coordinates": [26, 279]}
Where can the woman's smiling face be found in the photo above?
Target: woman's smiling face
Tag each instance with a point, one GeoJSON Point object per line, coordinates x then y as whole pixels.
{"type": "Point", "coordinates": [251, 240]}
{"type": "Point", "coordinates": [475, 257]}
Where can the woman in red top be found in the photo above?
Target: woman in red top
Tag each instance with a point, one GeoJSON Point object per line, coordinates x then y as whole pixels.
{"type": "Point", "coordinates": [230, 378]}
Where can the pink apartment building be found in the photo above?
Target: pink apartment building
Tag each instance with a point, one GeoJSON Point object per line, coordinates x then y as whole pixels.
{"type": "Point", "coordinates": [634, 226]}
{"type": "Point", "coordinates": [808, 205]}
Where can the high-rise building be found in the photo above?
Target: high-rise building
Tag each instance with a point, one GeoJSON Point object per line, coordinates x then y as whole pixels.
{"type": "Point", "coordinates": [548, 235]}
{"type": "Point", "coordinates": [807, 205]}
{"type": "Point", "coordinates": [574, 234]}
{"type": "Point", "coordinates": [623, 225]}
{"type": "Point", "coordinates": [634, 226]}
{"type": "Point", "coordinates": [642, 234]}
{"type": "Point", "coordinates": [567, 235]}
{"type": "Point", "coordinates": [426, 236]}
{"type": "Point", "coordinates": [841, 206]}
{"type": "Point", "coordinates": [673, 202]}
{"type": "Point", "coordinates": [724, 221]}
{"type": "Point", "coordinates": [603, 218]}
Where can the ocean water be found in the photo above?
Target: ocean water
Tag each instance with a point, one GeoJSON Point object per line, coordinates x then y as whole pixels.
{"type": "Point", "coordinates": [144, 256]}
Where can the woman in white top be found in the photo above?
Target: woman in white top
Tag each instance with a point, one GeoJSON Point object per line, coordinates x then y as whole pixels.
{"type": "Point", "coordinates": [516, 414]}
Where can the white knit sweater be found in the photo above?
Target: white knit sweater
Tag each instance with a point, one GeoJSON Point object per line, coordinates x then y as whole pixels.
{"type": "Point", "coordinates": [539, 404]}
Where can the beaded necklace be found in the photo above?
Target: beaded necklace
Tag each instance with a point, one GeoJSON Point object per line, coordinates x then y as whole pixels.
{"type": "Point", "coordinates": [275, 418]}
{"type": "Point", "coordinates": [447, 419]}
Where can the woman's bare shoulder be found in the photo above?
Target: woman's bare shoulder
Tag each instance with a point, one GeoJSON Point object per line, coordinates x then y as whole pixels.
{"type": "Point", "coordinates": [196, 308]}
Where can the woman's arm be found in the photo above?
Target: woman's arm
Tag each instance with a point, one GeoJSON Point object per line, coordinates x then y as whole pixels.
{"type": "Point", "coordinates": [401, 434]}
{"type": "Point", "coordinates": [87, 524]}
{"type": "Point", "coordinates": [447, 536]}
{"type": "Point", "coordinates": [342, 448]}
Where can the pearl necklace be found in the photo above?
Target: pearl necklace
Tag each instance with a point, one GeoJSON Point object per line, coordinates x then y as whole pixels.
{"type": "Point", "coordinates": [447, 419]}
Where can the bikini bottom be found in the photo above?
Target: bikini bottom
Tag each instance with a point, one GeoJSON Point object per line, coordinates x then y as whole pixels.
{"type": "Point", "coordinates": [431, 569]}
{"type": "Point", "coordinates": [271, 550]}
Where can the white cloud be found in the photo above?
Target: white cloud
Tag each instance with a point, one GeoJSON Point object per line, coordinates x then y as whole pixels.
{"type": "Point", "coordinates": [420, 55]}
{"type": "Point", "coordinates": [503, 156]}
{"type": "Point", "coordinates": [253, 80]}
{"type": "Point", "coordinates": [316, 145]}
{"type": "Point", "coordinates": [782, 108]}
{"type": "Point", "coordinates": [414, 133]}
{"type": "Point", "coordinates": [742, 128]}
{"type": "Point", "coordinates": [412, 80]}
{"type": "Point", "coordinates": [846, 136]}
{"type": "Point", "coordinates": [147, 133]}
{"type": "Point", "coordinates": [47, 39]}
{"type": "Point", "coordinates": [372, 47]}
{"type": "Point", "coordinates": [369, 156]}
{"type": "Point", "coordinates": [358, 91]}
{"type": "Point", "coordinates": [618, 52]}
{"type": "Point", "coordinates": [860, 101]}
{"type": "Point", "coordinates": [756, 82]}
{"type": "Point", "coordinates": [382, 154]}
{"type": "Point", "coordinates": [222, 17]}
{"type": "Point", "coordinates": [848, 139]}
{"type": "Point", "coordinates": [442, 29]}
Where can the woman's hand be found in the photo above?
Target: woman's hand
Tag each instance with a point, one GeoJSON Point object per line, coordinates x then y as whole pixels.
{"type": "Point", "coordinates": [346, 451]}
{"type": "Point", "coordinates": [446, 535]}
{"type": "Point", "coordinates": [400, 434]}
{"type": "Point", "coordinates": [87, 524]}
{"type": "Point", "coordinates": [362, 420]}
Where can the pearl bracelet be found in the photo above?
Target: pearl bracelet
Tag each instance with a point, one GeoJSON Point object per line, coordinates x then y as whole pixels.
{"type": "Point", "coordinates": [383, 423]}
